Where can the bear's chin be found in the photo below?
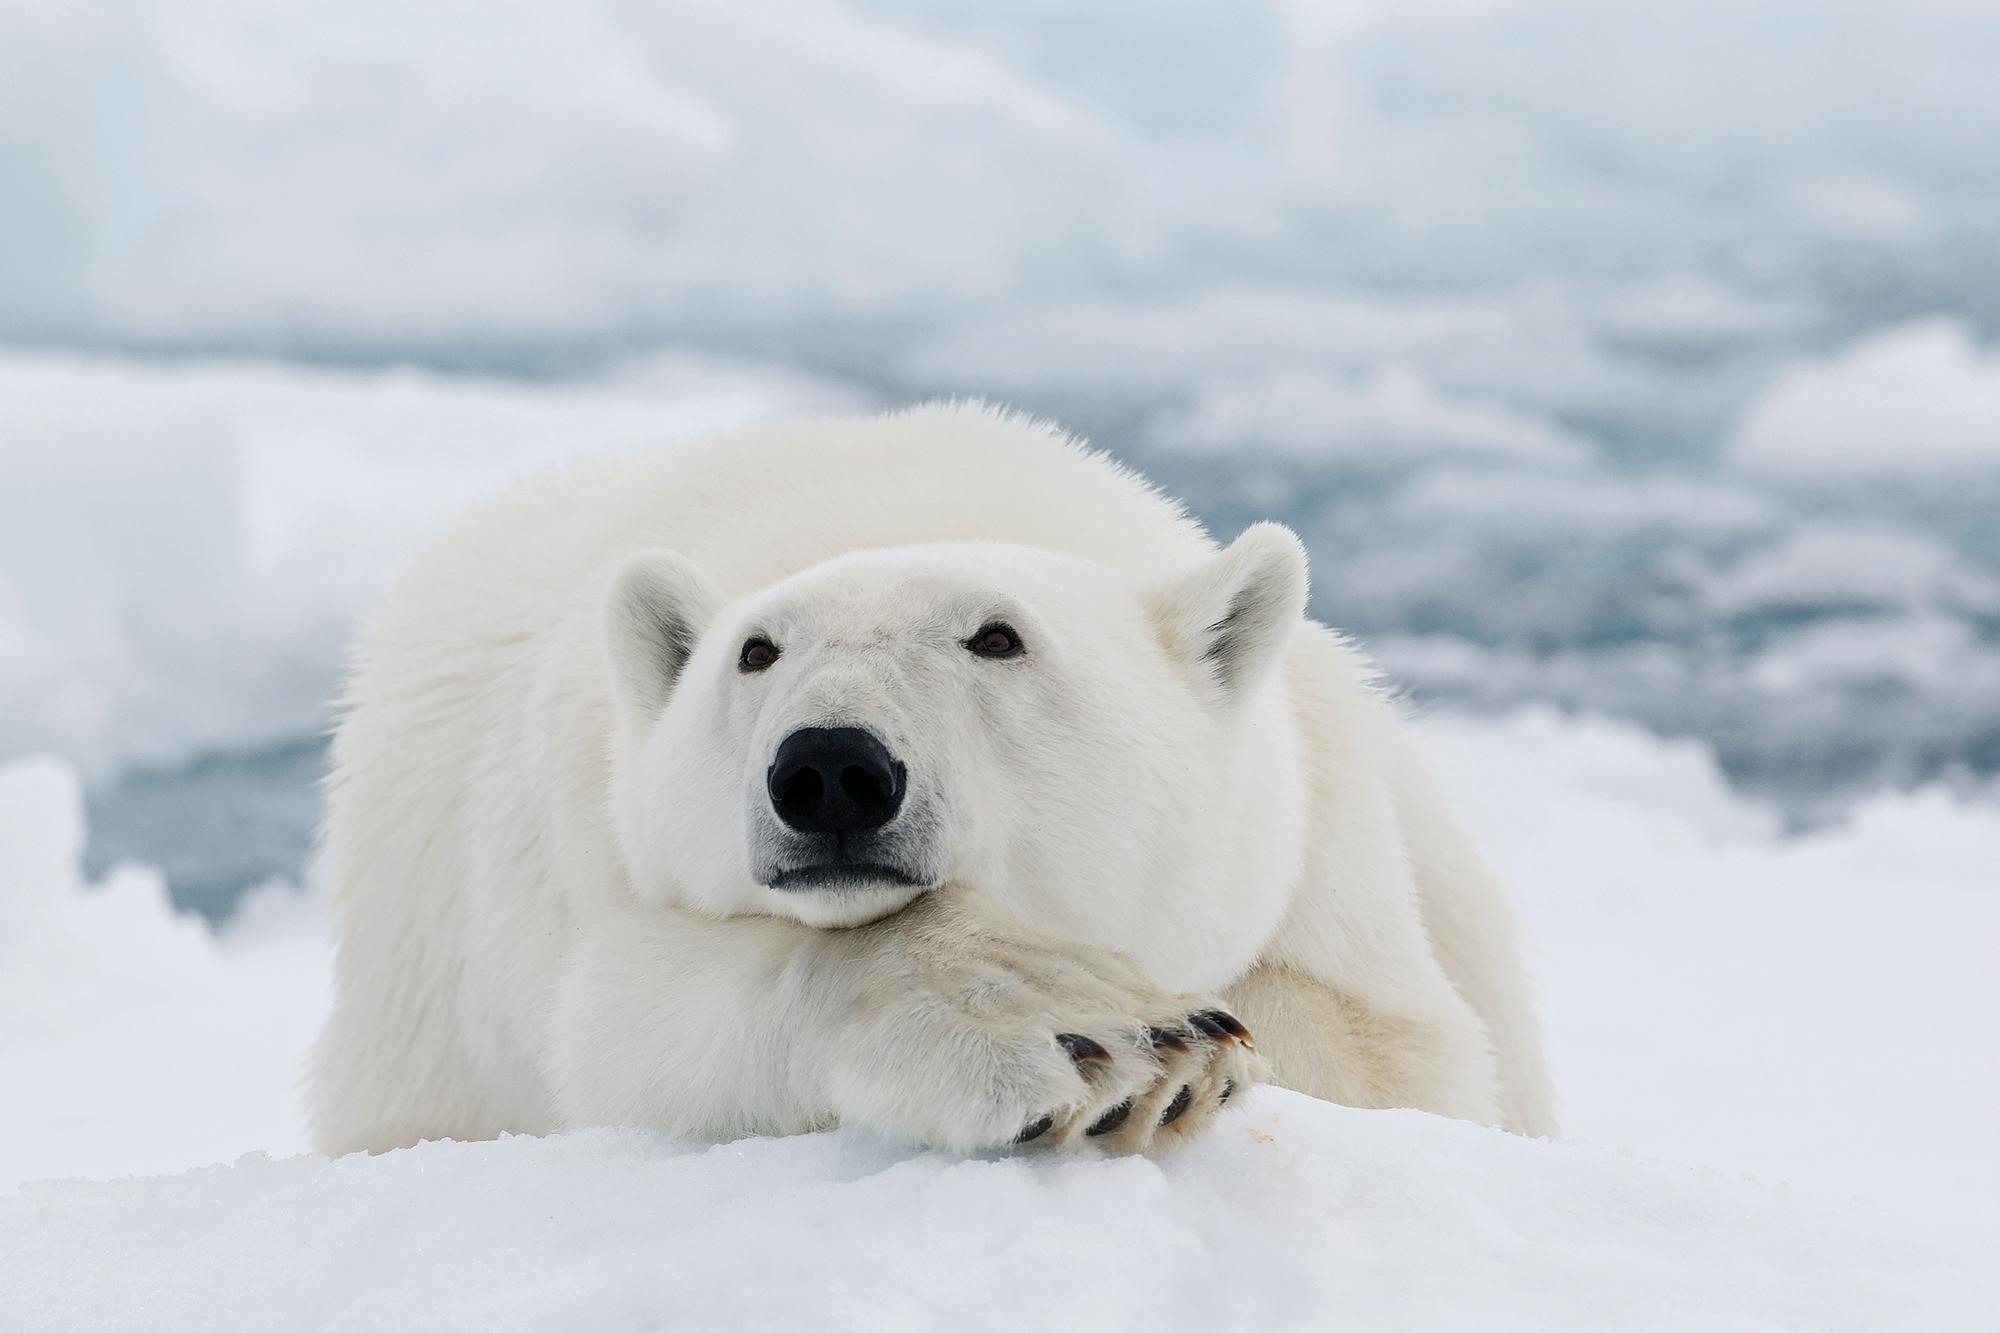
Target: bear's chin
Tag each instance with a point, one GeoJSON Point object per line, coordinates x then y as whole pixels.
{"type": "Point", "coordinates": [844, 907]}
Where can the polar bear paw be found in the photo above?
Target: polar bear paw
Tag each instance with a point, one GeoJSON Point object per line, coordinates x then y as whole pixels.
{"type": "Point", "coordinates": [1196, 1065]}
{"type": "Point", "coordinates": [978, 1039]}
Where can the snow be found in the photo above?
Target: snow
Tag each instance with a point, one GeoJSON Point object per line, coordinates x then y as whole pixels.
{"type": "Point", "coordinates": [131, 1039]}
{"type": "Point", "coordinates": [1808, 1008]}
{"type": "Point", "coordinates": [1771, 1050]}
{"type": "Point", "coordinates": [1918, 399]}
{"type": "Point", "coordinates": [1294, 1214]}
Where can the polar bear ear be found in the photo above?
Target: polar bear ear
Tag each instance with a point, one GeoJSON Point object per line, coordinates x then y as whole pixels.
{"type": "Point", "coordinates": [1232, 615]}
{"type": "Point", "coordinates": [658, 606]}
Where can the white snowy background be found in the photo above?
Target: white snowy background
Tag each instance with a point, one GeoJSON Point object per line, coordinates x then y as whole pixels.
{"type": "Point", "coordinates": [1633, 371]}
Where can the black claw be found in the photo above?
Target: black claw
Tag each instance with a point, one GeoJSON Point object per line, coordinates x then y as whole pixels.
{"type": "Point", "coordinates": [1111, 1119]}
{"type": "Point", "coordinates": [1178, 1106]}
{"type": "Point", "coordinates": [1228, 1022]}
{"type": "Point", "coordinates": [1080, 1047]}
{"type": "Point", "coordinates": [1207, 1026]}
{"type": "Point", "coordinates": [1228, 1091]}
{"type": "Point", "coordinates": [1036, 1130]}
{"type": "Point", "coordinates": [1167, 1039]}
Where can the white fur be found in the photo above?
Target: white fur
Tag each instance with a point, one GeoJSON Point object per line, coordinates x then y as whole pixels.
{"type": "Point", "coordinates": [548, 790]}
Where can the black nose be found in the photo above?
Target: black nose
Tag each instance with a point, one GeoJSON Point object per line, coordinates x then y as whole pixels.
{"type": "Point", "coordinates": [834, 780]}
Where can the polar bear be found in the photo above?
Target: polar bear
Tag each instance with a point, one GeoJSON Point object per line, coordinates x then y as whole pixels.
{"type": "Point", "coordinates": [929, 773]}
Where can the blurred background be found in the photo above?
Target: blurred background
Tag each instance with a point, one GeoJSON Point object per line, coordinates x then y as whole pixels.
{"type": "Point", "coordinates": [1632, 370]}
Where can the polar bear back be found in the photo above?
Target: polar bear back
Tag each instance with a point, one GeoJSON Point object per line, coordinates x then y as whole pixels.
{"type": "Point", "coordinates": [764, 502]}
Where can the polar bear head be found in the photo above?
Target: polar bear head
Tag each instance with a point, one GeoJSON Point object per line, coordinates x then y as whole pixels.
{"type": "Point", "coordinates": [1035, 726]}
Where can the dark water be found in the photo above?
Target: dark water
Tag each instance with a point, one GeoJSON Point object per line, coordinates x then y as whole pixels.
{"type": "Point", "coordinates": [216, 827]}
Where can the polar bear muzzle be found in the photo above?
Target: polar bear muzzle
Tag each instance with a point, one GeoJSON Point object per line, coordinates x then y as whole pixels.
{"type": "Point", "coordinates": [836, 792]}
{"type": "Point", "coordinates": [835, 780]}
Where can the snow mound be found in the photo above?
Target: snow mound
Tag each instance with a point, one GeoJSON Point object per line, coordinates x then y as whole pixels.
{"type": "Point", "coordinates": [1811, 1008]}
{"type": "Point", "coordinates": [1293, 1214]}
{"type": "Point", "coordinates": [1914, 399]}
{"type": "Point", "coordinates": [131, 1038]}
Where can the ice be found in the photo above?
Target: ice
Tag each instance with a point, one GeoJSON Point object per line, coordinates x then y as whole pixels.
{"type": "Point", "coordinates": [1819, 564]}
{"type": "Point", "coordinates": [249, 174]}
{"type": "Point", "coordinates": [1389, 416]}
{"type": "Point", "coordinates": [1590, 506]}
{"type": "Point", "coordinates": [1533, 348]}
{"type": "Point", "coordinates": [1693, 312]}
{"type": "Point", "coordinates": [1915, 400]}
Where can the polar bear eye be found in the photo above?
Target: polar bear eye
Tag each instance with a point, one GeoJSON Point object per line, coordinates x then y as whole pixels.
{"type": "Point", "coordinates": [758, 653]}
{"type": "Point", "coordinates": [996, 639]}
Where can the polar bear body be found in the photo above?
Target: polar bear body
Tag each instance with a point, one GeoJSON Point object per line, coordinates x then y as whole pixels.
{"type": "Point", "coordinates": [562, 892]}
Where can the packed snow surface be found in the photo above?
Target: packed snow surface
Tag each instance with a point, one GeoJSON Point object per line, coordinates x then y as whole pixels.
{"type": "Point", "coordinates": [1293, 1214]}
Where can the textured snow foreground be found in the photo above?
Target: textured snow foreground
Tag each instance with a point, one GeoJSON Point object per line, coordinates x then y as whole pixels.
{"type": "Point", "coordinates": [1294, 1214]}
{"type": "Point", "coordinates": [1805, 1017]}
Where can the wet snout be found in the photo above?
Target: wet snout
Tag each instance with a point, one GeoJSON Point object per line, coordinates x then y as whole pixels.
{"type": "Point", "coordinates": [835, 780]}
{"type": "Point", "coordinates": [835, 818]}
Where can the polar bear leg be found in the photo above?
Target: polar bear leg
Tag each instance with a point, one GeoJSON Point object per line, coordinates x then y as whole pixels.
{"type": "Point", "coordinates": [927, 1028]}
{"type": "Point", "coordinates": [1328, 1044]}
{"type": "Point", "coordinates": [371, 1092]}
{"type": "Point", "coordinates": [1477, 939]}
